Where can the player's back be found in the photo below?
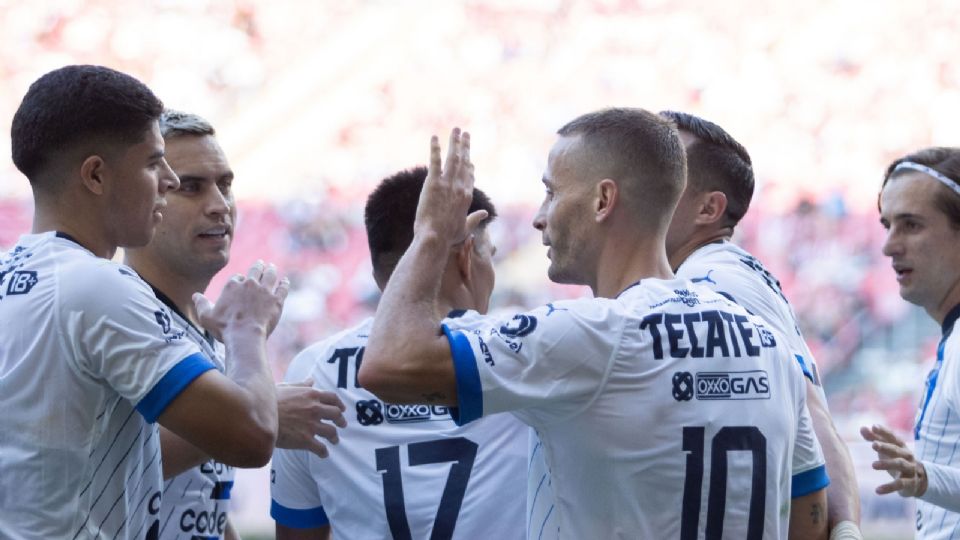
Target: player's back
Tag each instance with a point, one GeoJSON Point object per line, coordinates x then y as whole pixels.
{"type": "Point", "coordinates": [692, 429]}
{"type": "Point", "coordinates": [400, 471]}
{"type": "Point", "coordinates": [733, 272]}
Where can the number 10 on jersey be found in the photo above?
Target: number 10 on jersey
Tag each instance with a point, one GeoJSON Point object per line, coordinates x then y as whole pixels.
{"type": "Point", "coordinates": [730, 438]}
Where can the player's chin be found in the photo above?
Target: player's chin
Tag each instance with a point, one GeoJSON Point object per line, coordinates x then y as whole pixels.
{"type": "Point", "coordinates": [561, 274]}
{"type": "Point", "coordinates": [135, 238]}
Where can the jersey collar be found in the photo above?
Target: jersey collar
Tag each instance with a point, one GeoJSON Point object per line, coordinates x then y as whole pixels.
{"type": "Point", "coordinates": [173, 307]}
{"type": "Point", "coordinates": [950, 319]}
{"type": "Point", "coordinates": [632, 285]}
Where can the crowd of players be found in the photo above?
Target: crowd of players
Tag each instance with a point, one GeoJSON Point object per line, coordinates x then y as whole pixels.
{"type": "Point", "coordinates": [135, 396]}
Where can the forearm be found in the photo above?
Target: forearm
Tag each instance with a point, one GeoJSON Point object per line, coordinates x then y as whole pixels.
{"type": "Point", "coordinates": [178, 455]}
{"type": "Point", "coordinates": [943, 486]}
{"type": "Point", "coordinates": [255, 398]}
{"type": "Point", "coordinates": [843, 495]}
{"type": "Point", "coordinates": [404, 359]}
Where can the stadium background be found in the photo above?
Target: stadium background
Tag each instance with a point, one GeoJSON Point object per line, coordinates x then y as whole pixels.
{"type": "Point", "coordinates": [315, 101]}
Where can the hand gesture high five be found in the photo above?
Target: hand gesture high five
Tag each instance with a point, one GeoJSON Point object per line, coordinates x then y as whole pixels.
{"type": "Point", "coordinates": [447, 193]}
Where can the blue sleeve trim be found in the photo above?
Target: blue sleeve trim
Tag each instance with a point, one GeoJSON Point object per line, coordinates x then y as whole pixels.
{"type": "Point", "coordinates": [810, 481]}
{"type": "Point", "coordinates": [307, 518]}
{"type": "Point", "coordinates": [469, 390]}
{"type": "Point", "coordinates": [806, 370]}
{"type": "Point", "coordinates": [172, 384]}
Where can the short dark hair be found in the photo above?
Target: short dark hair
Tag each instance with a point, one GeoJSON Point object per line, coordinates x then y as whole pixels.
{"type": "Point", "coordinates": [717, 162]}
{"type": "Point", "coordinates": [943, 159]}
{"type": "Point", "coordinates": [76, 104]}
{"type": "Point", "coordinates": [641, 151]}
{"type": "Point", "coordinates": [390, 212]}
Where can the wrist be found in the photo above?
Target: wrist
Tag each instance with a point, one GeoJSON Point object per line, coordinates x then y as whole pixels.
{"type": "Point", "coordinates": [922, 479]}
{"type": "Point", "coordinates": [244, 329]}
{"type": "Point", "coordinates": [846, 530]}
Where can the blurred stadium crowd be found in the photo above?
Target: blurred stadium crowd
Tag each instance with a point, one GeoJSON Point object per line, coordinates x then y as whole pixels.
{"type": "Point", "coordinates": [316, 101]}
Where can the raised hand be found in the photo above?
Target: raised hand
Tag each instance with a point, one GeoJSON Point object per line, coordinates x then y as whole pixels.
{"type": "Point", "coordinates": [306, 413]}
{"type": "Point", "coordinates": [448, 192]}
{"type": "Point", "coordinates": [909, 476]}
{"type": "Point", "coordinates": [250, 303]}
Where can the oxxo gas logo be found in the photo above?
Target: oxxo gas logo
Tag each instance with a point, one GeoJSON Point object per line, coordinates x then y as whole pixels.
{"type": "Point", "coordinates": [373, 412]}
{"type": "Point", "coordinates": [736, 385]}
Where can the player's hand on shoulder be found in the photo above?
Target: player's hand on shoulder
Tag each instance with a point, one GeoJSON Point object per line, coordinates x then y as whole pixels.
{"type": "Point", "coordinates": [909, 475]}
{"type": "Point", "coordinates": [306, 413]}
{"type": "Point", "coordinates": [248, 303]}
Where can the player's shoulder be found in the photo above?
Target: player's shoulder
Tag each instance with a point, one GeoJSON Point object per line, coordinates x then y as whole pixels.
{"type": "Point", "coordinates": [99, 284]}
{"type": "Point", "coordinates": [311, 360]}
{"type": "Point", "coordinates": [710, 261]}
{"type": "Point", "coordinates": [676, 293]}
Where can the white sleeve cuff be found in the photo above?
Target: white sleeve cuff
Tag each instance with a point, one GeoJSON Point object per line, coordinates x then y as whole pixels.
{"type": "Point", "coordinates": [943, 486]}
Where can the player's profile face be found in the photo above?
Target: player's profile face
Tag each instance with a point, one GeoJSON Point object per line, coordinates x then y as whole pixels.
{"type": "Point", "coordinates": [198, 222]}
{"type": "Point", "coordinates": [139, 178]}
{"type": "Point", "coordinates": [562, 216]}
{"type": "Point", "coordinates": [921, 242]}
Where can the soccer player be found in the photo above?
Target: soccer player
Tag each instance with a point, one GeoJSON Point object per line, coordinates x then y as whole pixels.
{"type": "Point", "coordinates": [90, 360]}
{"type": "Point", "coordinates": [664, 409]}
{"type": "Point", "coordinates": [920, 209]}
{"type": "Point", "coordinates": [191, 245]}
{"type": "Point", "coordinates": [718, 192]}
{"type": "Point", "coordinates": [406, 469]}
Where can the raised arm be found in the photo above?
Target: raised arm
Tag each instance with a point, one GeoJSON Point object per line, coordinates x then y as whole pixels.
{"type": "Point", "coordinates": [233, 417]}
{"type": "Point", "coordinates": [407, 359]}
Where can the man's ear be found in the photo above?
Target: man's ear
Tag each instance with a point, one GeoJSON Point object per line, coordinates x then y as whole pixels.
{"type": "Point", "coordinates": [464, 256]}
{"type": "Point", "coordinates": [713, 207]}
{"type": "Point", "coordinates": [92, 172]}
{"type": "Point", "coordinates": [607, 197]}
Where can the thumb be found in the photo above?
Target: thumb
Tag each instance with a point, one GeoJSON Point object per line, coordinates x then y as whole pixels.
{"type": "Point", "coordinates": [203, 305]}
{"type": "Point", "coordinates": [474, 220]}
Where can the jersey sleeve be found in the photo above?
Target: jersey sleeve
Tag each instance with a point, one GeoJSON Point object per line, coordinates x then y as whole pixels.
{"type": "Point", "coordinates": [809, 466]}
{"type": "Point", "coordinates": [949, 352]}
{"type": "Point", "coordinates": [295, 498]}
{"type": "Point", "coordinates": [125, 337]}
{"type": "Point", "coordinates": [544, 365]}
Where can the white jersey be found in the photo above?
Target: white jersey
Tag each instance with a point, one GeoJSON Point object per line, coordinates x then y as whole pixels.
{"type": "Point", "coordinates": [663, 413]}
{"type": "Point", "coordinates": [738, 275]}
{"type": "Point", "coordinates": [541, 518]}
{"type": "Point", "coordinates": [399, 471]}
{"type": "Point", "coordinates": [195, 502]}
{"type": "Point", "coordinates": [937, 430]}
{"type": "Point", "coordinates": [89, 361]}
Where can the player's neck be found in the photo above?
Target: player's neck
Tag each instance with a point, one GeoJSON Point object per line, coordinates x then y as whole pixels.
{"type": "Point", "coordinates": [950, 301]}
{"type": "Point", "coordinates": [618, 268]}
{"type": "Point", "coordinates": [178, 289]}
{"type": "Point", "coordinates": [697, 241]}
{"type": "Point", "coordinates": [74, 224]}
